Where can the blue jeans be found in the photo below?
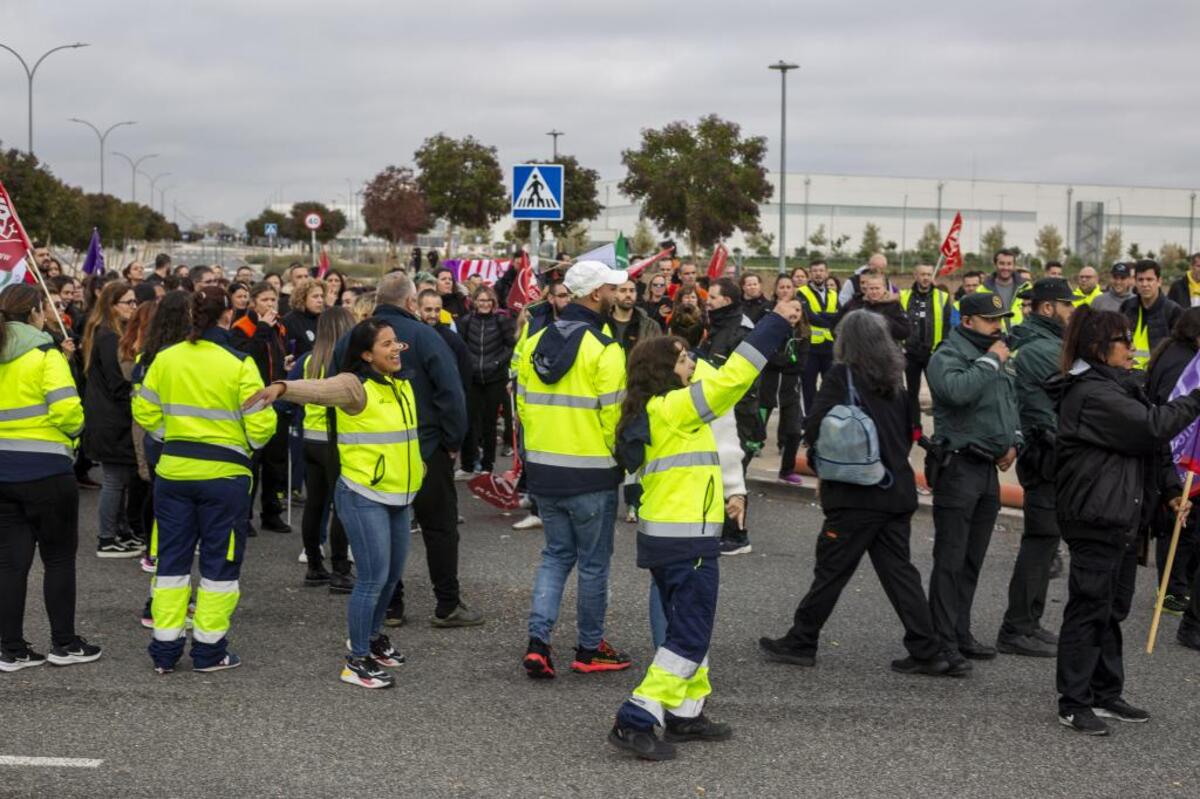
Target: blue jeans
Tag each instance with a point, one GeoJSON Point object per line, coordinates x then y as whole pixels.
{"type": "Point", "coordinates": [578, 530]}
{"type": "Point", "coordinates": [379, 535]}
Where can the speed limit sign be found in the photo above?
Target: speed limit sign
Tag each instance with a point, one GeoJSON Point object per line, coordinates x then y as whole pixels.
{"type": "Point", "coordinates": [312, 221]}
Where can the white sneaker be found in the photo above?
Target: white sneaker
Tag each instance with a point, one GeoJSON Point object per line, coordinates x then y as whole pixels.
{"type": "Point", "coordinates": [530, 522]}
{"type": "Point", "coordinates": [630, 515]}
{"type": "Point", "coordinates": [460, 476]}
{"type": "Point", "coordinates": [524, 503]}
{"type": "Point", "coordinates": [304, 555]}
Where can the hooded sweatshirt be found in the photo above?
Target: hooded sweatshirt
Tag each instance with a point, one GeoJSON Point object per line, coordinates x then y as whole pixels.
{"type": "Point", "coordinates": [20, 467]}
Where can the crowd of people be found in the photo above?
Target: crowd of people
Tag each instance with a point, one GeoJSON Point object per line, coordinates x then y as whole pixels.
{"type": "Point", "coordinates": [194, 392]}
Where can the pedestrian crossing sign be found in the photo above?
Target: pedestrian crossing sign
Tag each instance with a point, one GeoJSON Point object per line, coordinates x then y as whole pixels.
{"type": "Point", "coordinates": [537, 192]}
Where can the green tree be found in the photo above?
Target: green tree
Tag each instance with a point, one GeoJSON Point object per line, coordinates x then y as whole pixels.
{"type": "Point", "coordinates": [993, 240]}
{"type": "Point", "coordinates": [760, 243]}
{"type": "Point", "coordinates": [818, 239]}
{"type": "Point", "coordinates": [871, 241]}
{"type": "Point", "coordinates": [333, 222]}
{"type": "Point", "coordinates": [1110, 253]}
{"type": "Point", "coordinates": [1049, 244]}
{"type": "Point", "coordinates": [461, 181]}
{"type": "Point", "coordinates": [838, 243]}
{"type": "Point", "coordinates": [643, 241]}
{"type": "Point", "coordinates": [394, 207]}
{"type": "Point", "coordinates": [703, 181]}
{"type": "Point", "coordinates": [575, 239]}
{"type": "Point", "coordinates": [1135, 252]}
{"type": "Point", "coordinates": [256, 226]}
{"type": "Point", "coordinates": [1173, 256]}
{"type": "Point", "coordinates": [581, 197]}
{"type": "Point", "coordinates": [930, 242]}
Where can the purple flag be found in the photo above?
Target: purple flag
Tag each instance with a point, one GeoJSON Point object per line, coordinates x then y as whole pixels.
{"type": "Point", "coordinates": [93, 264]}
{"type": "Point", "coordinates": [1185, 447]}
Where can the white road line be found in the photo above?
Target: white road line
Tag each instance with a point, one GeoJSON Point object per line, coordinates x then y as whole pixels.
{"type": "Point", "coordinates": [49, 762]}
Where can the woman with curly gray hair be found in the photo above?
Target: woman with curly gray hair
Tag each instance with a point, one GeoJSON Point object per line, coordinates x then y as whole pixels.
{"type": "Point", "coordinates": [872, 520]}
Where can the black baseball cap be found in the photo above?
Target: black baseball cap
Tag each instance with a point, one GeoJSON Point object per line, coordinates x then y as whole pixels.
{"type": "Point", "coordinates": [985, 304]}
{"type": "Point", "coordinates": [1049, 289]}
{"type": "Point", "coordinates": [1121, 269]}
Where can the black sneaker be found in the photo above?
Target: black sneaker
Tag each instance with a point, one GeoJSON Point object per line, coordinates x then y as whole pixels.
{"type": "Point", "coordinates": [316, 575]}
{"type": "Point", "coordinates": [115, 548]}
{"type": "Point", "coordinates": [395, 617]}
{"type": "Point", "coordinates": [975, 649]}
{"type": "Point", "coordinates": [383, 653]}
{"type": "Point", "coordinates": [1026, 645]}
{"type": "Point", "coordinates": [701, 728]}
{"type": "Point", "coordinates": [1045, 636]}
{"type": "Point", "coordinates": [230, 661]}
{"type": "Point", "coordinates": [1175, 605]}
{"type": "Point", "coordinates": [24, 659]}
{"type": "Point", "coordinates": [1188, 636]}
{"type": "Point", "coordinates": [643, 743]}
{"type": "Point", "coordinates": [366, 673]}
{"type": "Point", "coordinates": [736, 545]}
{"type": "Point", "coordinates": [537, 662]}
{"type": "Point", "coordinates": [275, 524]}
{"type": "Point", "coordinates": [1083, 721]}
{"type": "Point", "coordinates": [78, 651]}
{"type": "Point", "coordinates": [781, 651]}
{"type": "Point", "coordinates": [461, 616]}
{"type": "Point", "coordinates": [959, 665]}
{"type": "Point", "coordinates": [937, 667]}
{"type": "Point", "coordinates": [602, 658]}
{"type": "Point", "coordinates": [341, 582]}
{"type": "Point", "coordinates": [1121, 710]}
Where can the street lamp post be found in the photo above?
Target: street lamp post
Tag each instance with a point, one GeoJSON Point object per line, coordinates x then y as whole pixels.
{"type": "Point", "coordinates": [783, 68]}
{"type": "Point", "coordinates": [133, 170]}
{"type": "Point", "coordinates": [153, 181]}
{"type": "Point", "coordinates": [102, 137]}
{"type": "Point", "coordinates": [29, 73]}
{"type": "Point", "coordinates": [162, 199]}
{"type": "Point", "coordinates": [554, 134]}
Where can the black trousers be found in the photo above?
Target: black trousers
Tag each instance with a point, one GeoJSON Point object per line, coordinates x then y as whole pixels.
{"type": "Point", "coordinates": [782, 390]}
{"type": "Point", "coordinates": [818, 363]}
{"type": "Point", "coordinates": [483, 405]}
{"type": "Point", "coordinates": [966, 501]}
{"type": "Point", "coordinates": [320, 476]}
{"type": "Point", "coordinates": [436, 510]}
{"type": "Point", "coordinates": [1184, 567]}
{"type": "Point", "coordinates": [1191, 616]}
{"type": "Point", "coordinates": [914, 366]}
{"type": "Point", "coordinates": [1031, 572]}
{"type": "Point", "coordinates": [1091, 668]}
{"type": "Point", "coordinates": [846, 535]}
{"type": "Point", "coordinates": [42, 513]}
{"type": "Point", "coordinates": [270, 471]}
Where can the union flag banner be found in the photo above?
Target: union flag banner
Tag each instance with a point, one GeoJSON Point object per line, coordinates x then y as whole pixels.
{"type": "Point", "coordinates": [952, 258]}
{"type": "Point", "coordinates": [14, 244]}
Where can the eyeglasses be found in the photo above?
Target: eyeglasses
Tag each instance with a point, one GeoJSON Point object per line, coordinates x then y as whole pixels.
{"type": "Point", "coordinates": [1125, 339]}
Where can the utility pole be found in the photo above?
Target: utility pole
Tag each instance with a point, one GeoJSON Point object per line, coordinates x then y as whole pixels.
{"type": "Point", "coordinates": [133, 167]}
{"type": "Point", "coordinates": [782, 67]}
{"type": "Point", "coordinates": [554, 134]}
{"type": "Point", "coordinates": [102, 137]}
{"type": "Point", "coordinates": [1191, 224]}
{"type": "Point", "coordinates": [940, 186]}
{"type": "Point", "coordinates": [29, 73]}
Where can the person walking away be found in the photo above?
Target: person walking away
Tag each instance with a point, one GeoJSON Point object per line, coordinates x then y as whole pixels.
{"type": "Point", "coordinates": [820, 311]}
{"type": "Point", "coordinates": [976, 430]}
{"type": "Point", "coordinates": [41, 418]}
{"type": "Point", "coordinates": [874, 520]}
{"type": "Point", "coordinates": [1120, 289]}
{"type": "Point", "coordinates": [489, 338]}
{"type": "Point", "coordinates": [193, 392]}
{"type": "Point", "coordinates": [1037, 351]}
{"type": "Point", "coordinates": [664, 433]}
{"type": "Point", "coordinates": [1111, 443]}
{"type": "Point", "coordinates": [379, 452]}
{"type": "Point", "coordinates": [779, 387]}
{"type": "Point", "coordinates": [570, 382]}
{"type": "Point", "coordinates": [108, 438]}
{"type": "Point", "coordinates": [1151, 315]}
{"type": "Point", "coordinates": [928, 310]}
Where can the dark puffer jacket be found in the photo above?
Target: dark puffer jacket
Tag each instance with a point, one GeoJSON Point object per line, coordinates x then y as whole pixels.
{"type": "Point", "coordinates": [107, 437]}
{"type": "Point", "coordinates": [490, 339]}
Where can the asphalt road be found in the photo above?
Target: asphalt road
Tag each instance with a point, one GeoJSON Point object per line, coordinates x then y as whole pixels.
{"type": "Point", "coordinates": [465, 721]}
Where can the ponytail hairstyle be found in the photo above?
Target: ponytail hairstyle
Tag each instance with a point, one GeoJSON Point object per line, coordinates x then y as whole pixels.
{"type": "Point", "coordinates": [17, 302]}
{"type": "Point", "coordinates": [103, 314]}
{"type": "Point", "coordinates": [1186, 332]}
{"type": "Point", "coordinates": [171, 324]}
{"type": "Point", "coordinates": [651, 372]}
{"type": "Point", "coordinates": [209, 304]}
{"type": "Point", "coordinates": [331, 326]}
{"type": "Point", "coordinates": [1090, 335]}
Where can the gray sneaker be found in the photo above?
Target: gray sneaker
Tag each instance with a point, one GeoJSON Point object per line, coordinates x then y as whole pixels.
{"type": "Point", "coordinates": [461, 616]}
{"type": "Point", "coordinates": [1026, 645]}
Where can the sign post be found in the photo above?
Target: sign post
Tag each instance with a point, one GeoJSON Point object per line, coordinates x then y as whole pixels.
{"type": "Point", "coordinates": [313, 221]}
{"type": "Point", "coordinates": [537, 195]}
{"type": "Point", "coordinates": [270, 230]}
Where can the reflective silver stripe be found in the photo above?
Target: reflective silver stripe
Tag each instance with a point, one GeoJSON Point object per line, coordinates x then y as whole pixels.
{"type": "Point", "coordinates": [27, 445]}
{"type": "Point", "coordinates": [159, 434]}
{"type": "Point", "coordinates": [570, 461]}
{"type": "Point", "coordinates": [701, 404]}
{"type": "Point", "coordinates": [611, 398]}
{"type": "Point", "coordinates": [682, 459]}
{"type": "Point", "coordinates": [561, 400]}
{"type": "Point", "coordinates": [175, 409]}
{"type": "Point", "coordinates": [395, 437]}
{"type": "Point", "coordinates": [747, 351]}
{"type": "Point", "coordinates": [218, 586]}
{"type": "Point", "coordinates": [208, 636]}
{"type": "Point", "coordinates": [172, 581]}
{"type": "Point", "coordinates": [688, 708]}
{"type": "Point", "coordinates": [382, 497]}
{"type": "Point", "coordinates": [168, 633]}
{"type": "Point", "coordinates": [679, 529]}
{"type": "Point", "coordinates": [258, 407]}
{"type": "Point", "coordinates": [59, 394]}
{"type": "Point", "coordinates": [520, 390]}
{"type": "Point", "coordinates": [674, 663]}
{"type": "Point", "coordinates": [315, 435]}
{"type": "Point", "coordinates": [651, 706]}
{"type": "Point", "coordinates": [26, 412]}
{"type": "Point", "coordinates": [149, 395]}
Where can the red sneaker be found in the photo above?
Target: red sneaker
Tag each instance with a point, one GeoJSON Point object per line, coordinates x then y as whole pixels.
{"type": "Point", "coordinates": [537, 662]}
{"type": "Point", "coordinates": [602, 658]}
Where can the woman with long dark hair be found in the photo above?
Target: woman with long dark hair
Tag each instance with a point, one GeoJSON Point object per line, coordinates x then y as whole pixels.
{"type": "Point", "coordinates": [108, 437]}
{"type": "Point", "coordinates": [656, 303]}
{"type": "Point", "coordinates": [490, 338]}
{"type": "Point", "coordinates": [1111, 443]}
{"type": "Point", "coordinates": [40, 419]}
{"type": "Point", "coordinates": [780, 386]}
{"type": "Point", "coordinates": [375, 430]}
{"type": "Point", "coordinates": [335, 287]}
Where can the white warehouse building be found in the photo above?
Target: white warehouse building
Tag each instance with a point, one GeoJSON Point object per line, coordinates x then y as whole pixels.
{"type": "Point", "coordinates": [901, 207]}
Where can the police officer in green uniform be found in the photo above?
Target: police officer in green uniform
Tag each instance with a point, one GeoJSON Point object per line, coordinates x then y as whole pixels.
{"type": "Point", "coordinates": [976, 430]}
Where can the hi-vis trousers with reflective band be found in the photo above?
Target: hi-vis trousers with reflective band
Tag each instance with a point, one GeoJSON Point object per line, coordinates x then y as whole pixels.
{"type": "Point", "coordinates": [676, 683]}
{"type": "Point", "coordinates": [211, 513]}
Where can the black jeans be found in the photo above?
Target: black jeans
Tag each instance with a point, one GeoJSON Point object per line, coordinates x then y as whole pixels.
{"type": "Point", "coordinates": [782, 390]}
{"type": "Point", "coordinates": [1031, 572]}
{"type": "Point", "coordinates": [846, 535]}
{"type": "Point", "coordinates": [1091, 669]}
{"type": "Point", "coordinates": [44, 513]}
{"type": "Point", "coordinates": [818, 363]}
{"type": "Point", "coordinates": [320, 476]}
{"type": "Point", "coordinates": [436, 510]}
{"type": "Point", "coordinates": [483, 404]}
{"type": "Point", "coordinates": [1184, 566]}
{"type": "Point", "coordinates": [966, 501]}
{"type": "Point", "coordinates": [271, 472]}
{"type": "Point", "coordinates": [914, 366]}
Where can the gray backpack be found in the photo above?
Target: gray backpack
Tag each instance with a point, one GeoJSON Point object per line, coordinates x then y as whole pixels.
{"type": "Point", "coordinates": [848, 448]}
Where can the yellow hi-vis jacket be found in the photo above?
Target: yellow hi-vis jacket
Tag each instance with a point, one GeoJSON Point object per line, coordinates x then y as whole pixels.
{"type": "Point", "coordinates": [1086, 299]}
{"type": "Point", "coordinates": [379, 449]}
{"type": "Point", "coordinates": [41, 415]}
{"type": "Point", "coordinates": [315, 426]}
{"type": "Point", "coordinates": [937, 308]}
{"type": "Point", "coordinates": [191, 399]}
{"type": "Point", "coordinates": [819, 335]}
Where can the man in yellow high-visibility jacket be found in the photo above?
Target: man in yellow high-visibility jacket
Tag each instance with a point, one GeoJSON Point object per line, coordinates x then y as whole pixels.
{"type": "Point", "coordinates": [928, 310]}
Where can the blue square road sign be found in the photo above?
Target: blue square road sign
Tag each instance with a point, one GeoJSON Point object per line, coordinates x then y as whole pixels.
{"type": "Point", "coordinates": [537, 192]}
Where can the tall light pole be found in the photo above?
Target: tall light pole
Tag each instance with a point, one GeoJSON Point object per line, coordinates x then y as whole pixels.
{"type": "Point", "coordinates": [102, 137]}
{"type": "Point", "coordinates": [29, 73]}
{"type": "Point", "coordinates": [554, 134]}
{"type": "Point", "coordinates": [154, 180]}
{"type": "Point", "coordinates": [783, 67]}
{"type": "Point", "coordinates": [162, 199]}
{"type": "Point", "coordinates": [133, 170]}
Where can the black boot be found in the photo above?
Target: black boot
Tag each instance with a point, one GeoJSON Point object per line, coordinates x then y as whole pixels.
{"type": "Point", "coordinates": [316, 574]}
{"type": "Point", "coordinates": [700, 728]}
{"type": "Point", "coordinates": [341, 582]}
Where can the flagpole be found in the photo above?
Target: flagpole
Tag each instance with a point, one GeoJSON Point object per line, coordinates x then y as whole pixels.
{"type": "Point", "coordinates": [38, 277]}
{"type": "Point", "coordinates": [1162, 586]}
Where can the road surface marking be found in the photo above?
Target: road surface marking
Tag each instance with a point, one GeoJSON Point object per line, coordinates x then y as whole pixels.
{"type": "Point", "coordinates": [49, 762]}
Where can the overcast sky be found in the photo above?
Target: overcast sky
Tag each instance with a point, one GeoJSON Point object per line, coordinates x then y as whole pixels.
{"type": "Point", "coordinates": [243, 99]}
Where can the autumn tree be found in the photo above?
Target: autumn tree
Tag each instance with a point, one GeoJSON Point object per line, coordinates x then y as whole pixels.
{"type": "Point", "coordinates": [872, 242]}
{"type": "Point", "coordinates": [930, 242]}
{"type": "Point", "coordinates": [993, 240]}
{"type": "Point", "coordinates": [394, 208]}
{"type": "Point", "coordinates": [1049, 244]}
{"type": "Point", "coordinates": [1110, 252]}
{"type": "Point", "coordinates": [643, 241]}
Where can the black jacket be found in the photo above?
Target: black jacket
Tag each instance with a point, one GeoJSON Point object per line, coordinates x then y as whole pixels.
{"type": "Point", "coordinates": [1167, 368]}
{"type": "Point", "coordinates": [1159, 318]}
{"type": "Point", "coordinates": [1179, 293]}
{"type": "Point", "coordinates": [301, 331]}
{"type": "Point", "coordinates": [461, 359]}
{"type": "Point", "coordinates": [790, 358]}
{"type": "Point", "coordinates": [490, 339]}
{"type": "Point", "coordinates": [455, 304]}
{"type": "Point", "coordinates": [728, 327]}
{"type": "Point", "coordinates": [890, 310]}
{"type": "Point", "coordinates": [757, 307]}
{"type": "Point", "coordinates": [893, 424]}
{"type": "Point", "coordinates": [1110, 451]}
{"type": "Point", "coordinates": [107, 436]}
{"type": "Point", "coordinates": [266, 344]}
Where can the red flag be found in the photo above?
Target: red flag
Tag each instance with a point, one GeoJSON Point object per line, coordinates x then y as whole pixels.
{"type": "Point", "coordinates": [524, 288]}
{"type": "Point", "coordinates": [952, 258]}
{"type": "Point", "coordinates": [323, 264]}
{"type": "Point", "coordinates": [14, 244]}
{"type": "Point", "coordinates": [716, 266]}
{"type": "Point", "coordinates": [637, 268]}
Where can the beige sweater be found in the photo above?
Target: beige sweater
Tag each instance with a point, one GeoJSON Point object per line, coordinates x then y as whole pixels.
{"type": "Point", "coordinates": [344, 391]}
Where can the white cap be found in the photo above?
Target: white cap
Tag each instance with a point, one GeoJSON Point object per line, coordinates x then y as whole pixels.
{"type": "Point", "coordinates": [584, 277]}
